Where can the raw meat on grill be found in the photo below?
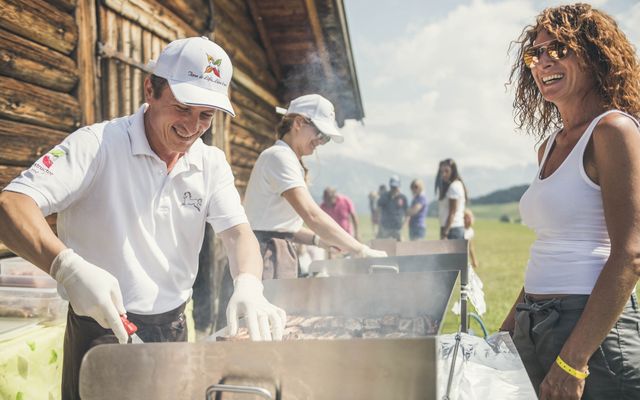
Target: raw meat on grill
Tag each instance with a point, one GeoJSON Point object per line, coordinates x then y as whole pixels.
{"type": "Point", "coordinates": [337, 327]}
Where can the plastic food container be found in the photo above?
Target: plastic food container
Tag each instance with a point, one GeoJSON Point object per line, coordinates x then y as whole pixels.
{"type": "Point", "coordinates": [18, 272]}
{"type": "Point", "coordinates": [28, 292]}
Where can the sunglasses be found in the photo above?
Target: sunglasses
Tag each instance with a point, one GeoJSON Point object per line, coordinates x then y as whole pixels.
{"type": "Point", "coordinates": [324, 139]}
{"type": "Point", "coordinates": [555, 49]}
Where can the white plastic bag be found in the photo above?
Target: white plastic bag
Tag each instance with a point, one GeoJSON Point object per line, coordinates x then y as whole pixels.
{"type": "Point", "coordinates": [475, 294]}
{"type": "Point", "coordinates": [489, 369]}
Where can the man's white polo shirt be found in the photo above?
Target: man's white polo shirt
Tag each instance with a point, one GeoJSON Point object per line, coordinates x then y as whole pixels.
{"type": "Point", "coordinates": [120, 210]}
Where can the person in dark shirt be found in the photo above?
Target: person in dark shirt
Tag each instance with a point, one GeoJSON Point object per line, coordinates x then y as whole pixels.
{"type": "Point", "coordinates": [393, 209]}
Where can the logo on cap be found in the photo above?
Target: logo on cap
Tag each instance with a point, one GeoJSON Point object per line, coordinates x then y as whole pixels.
{"type": "Point", "coordinates": [213, 65]}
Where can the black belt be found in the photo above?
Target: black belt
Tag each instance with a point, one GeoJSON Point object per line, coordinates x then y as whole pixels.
{"type": "Point", "coordinates": [158, 319]}
{"type": "Point", "coordinates": [266, 235]}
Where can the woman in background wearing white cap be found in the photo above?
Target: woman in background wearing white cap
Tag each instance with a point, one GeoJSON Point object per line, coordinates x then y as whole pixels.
{"type": "Point", "coordinates": [451, 200]}
{"type": "Point", "coordinates": [277, 201]}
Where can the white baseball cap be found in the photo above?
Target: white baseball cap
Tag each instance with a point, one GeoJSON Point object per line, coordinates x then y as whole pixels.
{"type": "Point", "coordinates": [198, 71]}
{"type": "Point", "coordinates": [320, 111]}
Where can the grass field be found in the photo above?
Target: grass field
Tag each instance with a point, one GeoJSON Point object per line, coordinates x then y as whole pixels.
{"type": "Point", "coordinates": [495, 211]}
{"type": "Point", "coordinates": [502, 252]}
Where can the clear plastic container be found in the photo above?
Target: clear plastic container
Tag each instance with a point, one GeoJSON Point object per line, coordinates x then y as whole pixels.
{"type": "Point", "coordinates": [28, 292]}
{"type": "Point", "coordinates": [18, 272]}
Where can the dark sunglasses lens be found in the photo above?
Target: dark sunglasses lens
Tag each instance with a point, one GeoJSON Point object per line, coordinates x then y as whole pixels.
{"type": "Point", "coordinates": [530, 57]}
{"type": "Point", "coordinates": [557, 50]}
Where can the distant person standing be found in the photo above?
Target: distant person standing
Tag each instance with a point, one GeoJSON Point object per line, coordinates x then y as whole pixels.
{"type": "Point", "coordinates": [417, 213]}
{"type": "Point", "coordinates": [475, 292]}
{"type": "Point", "coordinates": [452, 198]}
{"type": "Point", "coordinates": [341, 209]}
{"type": "Point", "coordinates": [393, 209]}
{"type": "Point", "coordinates": [375, 210]}
{"type": "Point", "coordinates": [469, 234]}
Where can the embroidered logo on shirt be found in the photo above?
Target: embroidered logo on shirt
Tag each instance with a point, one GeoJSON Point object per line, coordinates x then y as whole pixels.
{"type": "Point", "coordinates": [44, 164]}
{"type": "Point", "coordinates": [52, 156]}
{"type": "Point", "coordinates": [189, 202]}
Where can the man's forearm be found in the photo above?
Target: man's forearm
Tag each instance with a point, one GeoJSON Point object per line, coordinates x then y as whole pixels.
{"type": "Point", "coordinates": [26, 232]}
{"type": "Point", "coordinates": [243, 251]}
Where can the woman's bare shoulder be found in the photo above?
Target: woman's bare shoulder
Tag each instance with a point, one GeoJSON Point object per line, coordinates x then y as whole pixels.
{"type": "Point", "coordinates": [616, 122]}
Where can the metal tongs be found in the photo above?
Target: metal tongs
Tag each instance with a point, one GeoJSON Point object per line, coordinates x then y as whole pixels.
{"type": "Point", "coordinates": [453, 366]}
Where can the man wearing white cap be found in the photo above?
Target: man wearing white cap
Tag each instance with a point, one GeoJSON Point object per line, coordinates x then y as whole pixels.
{"type": "Point", "coordinates": [133, 196]}
{"type": "Point", "coordinates": [277, 200]}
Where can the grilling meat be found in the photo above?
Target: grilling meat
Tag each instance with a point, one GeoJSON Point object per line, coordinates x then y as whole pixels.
{"type": "Point", "coordinates": [337, 327]}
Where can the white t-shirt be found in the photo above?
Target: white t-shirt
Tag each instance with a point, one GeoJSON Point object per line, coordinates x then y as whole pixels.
{"type": "Point", "coordinates": [276, 171]}
{"type": "Point", "coordinates": [455, 192]}
{"type": "Point", "coordinates": [469, 233]}
{"type": "Point", "coordinates": [118, 208]}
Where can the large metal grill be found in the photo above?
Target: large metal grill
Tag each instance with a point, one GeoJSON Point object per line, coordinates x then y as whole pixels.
{"type": "Point", "coordinates": [310, 369]}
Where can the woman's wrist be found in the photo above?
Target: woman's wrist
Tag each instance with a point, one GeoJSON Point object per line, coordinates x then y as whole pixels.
{"type": "Point", "coordinates": [579, 373]}
{"type": "Point", "coordinates": [315, 240]}
{"type": "Point", "coordinates": [576, 358]}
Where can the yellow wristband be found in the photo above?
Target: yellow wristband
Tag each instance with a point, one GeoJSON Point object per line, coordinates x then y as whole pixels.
{"type": "Point", "coordinates": [570, 370]}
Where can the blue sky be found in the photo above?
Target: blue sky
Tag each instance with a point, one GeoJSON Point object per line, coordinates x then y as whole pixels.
{"type": "Point", "coordinates": [432, 77]}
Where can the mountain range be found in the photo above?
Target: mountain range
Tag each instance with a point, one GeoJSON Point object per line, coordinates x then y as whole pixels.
{"type": "Point", "coordinates": [357, 178]}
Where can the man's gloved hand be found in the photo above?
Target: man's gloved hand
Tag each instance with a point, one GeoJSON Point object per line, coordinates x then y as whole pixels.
{"type": "Point", "coordinates": [264, 320]}
{"type": "Point", "coordinates": [368, 252]}
{"type": "Point", "coordinates": [92, 291]}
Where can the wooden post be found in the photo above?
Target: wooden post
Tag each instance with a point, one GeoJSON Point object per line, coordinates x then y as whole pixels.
{"type": "Point", "coordinates": [87, 37]}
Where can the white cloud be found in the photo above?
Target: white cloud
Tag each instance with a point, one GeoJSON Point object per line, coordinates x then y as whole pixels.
{"type": "Point", "coordinates": [439, 92]}
{"type": "Point", "coordinates": [629, 24]}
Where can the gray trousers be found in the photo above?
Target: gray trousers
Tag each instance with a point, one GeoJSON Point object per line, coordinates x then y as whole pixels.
{"type": "Point", "coordinates": [543, 327]}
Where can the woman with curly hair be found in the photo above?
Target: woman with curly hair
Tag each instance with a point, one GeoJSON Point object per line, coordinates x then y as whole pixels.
{"type": "Point", "coordinates": [576, 322]}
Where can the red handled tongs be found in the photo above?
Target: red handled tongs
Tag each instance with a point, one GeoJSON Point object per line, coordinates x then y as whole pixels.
{"type": "Point", "coordinates": [131, 329]}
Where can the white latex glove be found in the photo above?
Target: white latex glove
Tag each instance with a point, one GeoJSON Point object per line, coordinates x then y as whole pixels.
{"type": "Point", "coordinates": [92, 291]}
{"type": "Point", "coordinates": [368, 252]}
{"type": "Point", "coordinates": [264, 320]}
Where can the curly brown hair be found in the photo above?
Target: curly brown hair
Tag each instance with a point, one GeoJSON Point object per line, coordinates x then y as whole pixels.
{"type": "Point", "coordinates": [599, 45]}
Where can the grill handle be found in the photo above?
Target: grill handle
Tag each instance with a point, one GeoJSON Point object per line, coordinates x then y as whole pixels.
{"type": "Point", "coordinates": [238, 389]}
{"type": "Point", "coordinates": [383, 268]}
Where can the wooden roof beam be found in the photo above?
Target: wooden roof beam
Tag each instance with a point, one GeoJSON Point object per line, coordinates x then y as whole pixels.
{"type": "Point", "coordinates": [316, 28]}
{"type": "Point", "coordinates": [266, 41]}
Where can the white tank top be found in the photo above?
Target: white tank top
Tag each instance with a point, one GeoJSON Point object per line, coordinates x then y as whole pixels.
{"type": "Point", "coordinates": [565, 211]}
